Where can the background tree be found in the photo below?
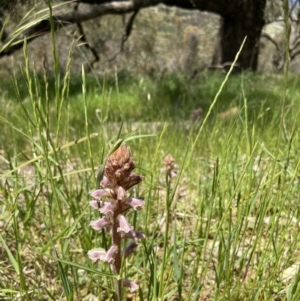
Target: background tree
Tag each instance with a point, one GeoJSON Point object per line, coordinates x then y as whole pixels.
{"type": "Point", "coordinates": [240, 18]}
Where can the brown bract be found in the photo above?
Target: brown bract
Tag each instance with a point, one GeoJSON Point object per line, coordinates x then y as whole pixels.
{"type": "Point", "coordinates": [118, 169]}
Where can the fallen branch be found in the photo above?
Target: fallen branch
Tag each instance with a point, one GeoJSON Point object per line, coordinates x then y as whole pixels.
{"type": "Point", "coordinates": [75, 17]}
{"type": "Point", "coordinates": [96, 9]}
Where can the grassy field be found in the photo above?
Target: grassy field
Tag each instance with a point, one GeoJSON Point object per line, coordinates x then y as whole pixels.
{"type": "Point", "coordinates": [224, 228]}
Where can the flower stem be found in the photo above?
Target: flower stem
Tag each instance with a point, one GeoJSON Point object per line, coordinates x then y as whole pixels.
{"type": "Point", "coordinates": [166, 234]}
{"type": "Point", "coordinates": [116, 266]}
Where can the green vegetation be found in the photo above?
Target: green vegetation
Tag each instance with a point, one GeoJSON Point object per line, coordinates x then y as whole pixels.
{"type": "Point", "coordinates": [225, 228]}
{"type": "Point", "coordinates": [232, 211]}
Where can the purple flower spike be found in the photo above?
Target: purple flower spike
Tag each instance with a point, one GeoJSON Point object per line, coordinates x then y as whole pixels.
{"type": "Point", "coordinates": [121, 194]}
{"type": "Point", "coordinates": [131, 285]}
{"type": "Point", "coordinates": [135, 235]}
{"type": "Point", "coordinates": [124, 226]}
{"type": "Point", "coordinates": [96, 254]}
{"type": "Point", "coordinates": [110, 254]}
{"type": "Point", "coordinates": [108, 208]}
{"type": "Point", "coordinates": [99, 224]}
{"type": "Point", "coordinates": [130, 249]}
{"type": "Point", "coordinates": [113, 202]}
{"type": "Point", "coordinates": [106, 183]}
{"type": "Point", "coordinates": [98, 193]}
{"type": "Point", "coordinates": [133, 180]}
{"type": "Point", "coordinates": [135, 203]}
{"type": "Point", "coordinates": [96, 204]}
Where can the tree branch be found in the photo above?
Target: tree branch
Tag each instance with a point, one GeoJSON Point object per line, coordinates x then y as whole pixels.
{"type": "Point", "coordinates": [126, 34]}
{"type": "Point", "coordinates": [266, 36]}
{"type": "Point", "coordinates": [295, 44]}
{"type": "Point", "coordinates": [85, 42]}
{"type": "Point", "coordinates": [293, 56]}
{"type": "Point", "coordinates": [186, 4]}
{"type": "Point", "coordinates": [43, 27]}
{"type": "Point", "coordinates": [223, 8]}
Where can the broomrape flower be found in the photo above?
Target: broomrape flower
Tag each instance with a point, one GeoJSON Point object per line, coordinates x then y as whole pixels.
{"type": "Point", "coordinates": [170, 167]}
{"type": "Point", "coordinates": [113, 203]}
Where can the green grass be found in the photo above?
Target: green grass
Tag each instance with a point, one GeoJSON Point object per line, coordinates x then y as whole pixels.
{"type": "Point", "coordinates": [226, 228]}
{"type": "Point", "coordinates": [171, 98]}
{"type": "Point", "coordinates": [232, 217]}
{"type": "Point", "coordinates": [232, 214]}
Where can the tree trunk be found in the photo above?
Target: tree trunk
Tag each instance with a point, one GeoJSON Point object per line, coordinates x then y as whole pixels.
{"type": "Point", "coordinates": [240, 19]}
